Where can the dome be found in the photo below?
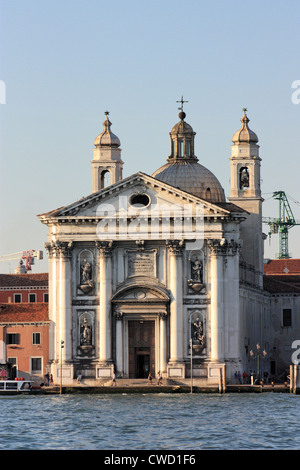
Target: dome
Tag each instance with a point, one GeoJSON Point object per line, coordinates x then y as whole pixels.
{"type": "Point", "coordinates": [245, 134]}
{"type": "Point", "coordinates": [193, 178]}
{"type": "Point", "coordinates": [107, 138]}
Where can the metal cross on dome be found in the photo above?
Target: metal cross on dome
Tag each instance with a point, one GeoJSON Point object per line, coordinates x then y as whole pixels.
{"type": "Point", "coordinates": [181, 101]}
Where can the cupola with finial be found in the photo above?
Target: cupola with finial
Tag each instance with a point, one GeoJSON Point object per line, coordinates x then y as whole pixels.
{"type": "Point", "coordinates": [107, 164]}
{"type": "Point", "coordinates": [182, 138]}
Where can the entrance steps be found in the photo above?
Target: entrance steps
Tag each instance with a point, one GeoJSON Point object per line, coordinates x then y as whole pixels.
{"type": "Point", "coordinates": [136, 383]}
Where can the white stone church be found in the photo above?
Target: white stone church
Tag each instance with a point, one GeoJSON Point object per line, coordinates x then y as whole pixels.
{"type": "Point", "coordinates": [161, 272]}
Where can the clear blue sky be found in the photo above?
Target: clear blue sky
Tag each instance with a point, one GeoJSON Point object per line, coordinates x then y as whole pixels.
{"type": "Point", "coordinates": [65, 62]}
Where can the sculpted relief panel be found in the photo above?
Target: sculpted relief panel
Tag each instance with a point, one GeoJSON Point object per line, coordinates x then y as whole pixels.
{"type": "Point", "coordinates": [141, 263]}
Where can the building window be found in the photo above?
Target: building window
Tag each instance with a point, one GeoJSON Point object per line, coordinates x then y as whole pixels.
{"type": "Point", "coordinates": [244, 178]}
{"type": "Point", "coordinates": [32, 297]}
{"type": "Point", "coordinates": [36, 338]}
{"type": "Point", "coordinates": [287, 317]}
{"type": "Point", "coordinates": [105, 179]}
{"type": "Point", "coordinates": [12, 338]}
{"type": "Point", "coordinates": [17, 298]}
{"type": "Point", "coordinates": [139, 200]}
{"type": "Point", "coordinates": [180, 148]}
{"type": "Point", "coordinates": [14, 367]}
{"type": "Point", "coordinates": [46, 297]}
{"type": "Point", "coordinates": [36, 365]}
{"type": "Point", "coordinates": [188, 148]}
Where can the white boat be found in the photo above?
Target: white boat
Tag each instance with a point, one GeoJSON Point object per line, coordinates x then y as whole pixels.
{"type": "Point", "coordinates": [15, 386]}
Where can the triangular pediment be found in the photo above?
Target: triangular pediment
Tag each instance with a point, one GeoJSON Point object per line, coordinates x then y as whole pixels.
{"type": "Point", "coordinates": [120, 194]}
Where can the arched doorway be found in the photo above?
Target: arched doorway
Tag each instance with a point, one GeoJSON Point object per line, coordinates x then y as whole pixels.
{"type": "Point", "coordinates": [141, 317]}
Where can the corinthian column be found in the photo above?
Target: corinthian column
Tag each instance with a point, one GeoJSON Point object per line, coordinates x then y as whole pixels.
{"type": "Point", "coordinates": [176, 305]}
{"type": "Point", "coordinates": [105, 290]}
{"type": "Point", "coordinates": [65, 299]}
{"type": "Point", "coordinates": [216, 306]}
{"type": "Point", "coordinates": [53, 258]}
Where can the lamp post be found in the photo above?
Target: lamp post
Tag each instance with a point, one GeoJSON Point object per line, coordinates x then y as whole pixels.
{"type": "Point", "coordinates": [258, 355]}
{"type": "Point", "coordinates": [61, 348]}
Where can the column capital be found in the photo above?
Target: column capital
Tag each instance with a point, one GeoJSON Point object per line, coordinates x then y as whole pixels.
{"type": "Point", "coordinates": [118, 315]}
{"type": "Point", "coordinates": [59, 248]}
{"type": "Point", "coordinates": [104, 247]}
{"type": "Point", "coordinates": [224, 247]}
{"type": "Point", "coordinates": [163, 315]}
{"type": "Point", "coordinates": [175, 247]}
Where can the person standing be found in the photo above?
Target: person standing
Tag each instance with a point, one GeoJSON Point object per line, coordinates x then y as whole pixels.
{"type": "Point", "coordinates": [114, 380]}
{"type": "Point", "coordinates": [149, 379]}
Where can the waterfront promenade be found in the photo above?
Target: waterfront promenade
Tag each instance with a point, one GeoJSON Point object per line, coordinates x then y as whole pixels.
{"type": "Point", "coordinates": [168, 386]}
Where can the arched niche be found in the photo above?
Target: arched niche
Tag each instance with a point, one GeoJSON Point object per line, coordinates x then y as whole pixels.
{"type": "Point", "coordinates": [86, 271]}
{"type": "Point", "coordinates": [197, 328]}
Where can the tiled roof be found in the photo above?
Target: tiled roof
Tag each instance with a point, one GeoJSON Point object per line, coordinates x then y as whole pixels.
{"type": "Point", "coordinates": [24, 280]}
{"type": "Point", "coordinates": [282, 284]}
{"type": "Point", "coordinates": [24, 312]}
{"type": "Point", "coordinates": [282, 266]}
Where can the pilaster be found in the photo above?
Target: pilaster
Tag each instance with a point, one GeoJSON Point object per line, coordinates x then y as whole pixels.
{"type": "Point", "coordinates": [105, 291]}
{"type": "Point", "coordinates": [176, 364]}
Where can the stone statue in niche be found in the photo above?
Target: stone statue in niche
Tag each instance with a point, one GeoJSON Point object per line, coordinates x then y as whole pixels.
{"type": "Point", "coordinates": [197, 270]}
{"type": "Point", "coordinates": [86, 338]}
{"type": "Point", "coordinates": [196, 281]}
{"type": "Point", "coordinates": [86, 333]}
{"type": "Point", "coordinates": [198, 338]}
{"type": "Point", "coordinates": [244, 178]}
{"type": "Point", "coordinates": [86, 282]}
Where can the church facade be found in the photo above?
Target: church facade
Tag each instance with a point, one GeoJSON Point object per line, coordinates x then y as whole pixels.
{"type": "Point", "coordinates": [161, 272]}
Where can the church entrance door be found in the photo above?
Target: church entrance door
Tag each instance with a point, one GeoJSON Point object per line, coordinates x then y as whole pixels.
{"type": "Point", "coordinates": [141, 340]}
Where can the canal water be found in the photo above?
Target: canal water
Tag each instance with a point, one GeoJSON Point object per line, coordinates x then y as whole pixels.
{"type": "Point", "coordinates": [264, 421]}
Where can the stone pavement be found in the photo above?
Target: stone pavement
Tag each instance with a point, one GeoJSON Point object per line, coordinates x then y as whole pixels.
{"type": "Point", "coordinates": [168, 386]}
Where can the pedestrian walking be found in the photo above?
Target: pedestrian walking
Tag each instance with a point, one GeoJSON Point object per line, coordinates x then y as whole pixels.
{"type": "Point", "coordinates": [79, 377]}
{"type": "Point", "coordinates": [149, 379]}
{"type": "Point", "coordinates": [51, 380]}
{"type": "Point", "coordinates": [114, 380]}
{"type": "Point", "coordinates": [159, 378]}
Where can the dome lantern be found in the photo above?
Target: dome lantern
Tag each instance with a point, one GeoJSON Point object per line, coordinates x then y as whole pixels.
{"type": "Point", "coordinates": [183, 170]}
{"type": "Point", "coordinates": [182, 138]}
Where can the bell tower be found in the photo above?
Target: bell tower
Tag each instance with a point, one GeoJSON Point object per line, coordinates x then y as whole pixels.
{"type": "Point", "coordinates": [107, 165]}
{"type": "Point", "coordinates": [245, 192]}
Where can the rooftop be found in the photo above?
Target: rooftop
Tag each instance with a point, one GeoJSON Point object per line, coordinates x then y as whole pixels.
{"type": "Point", "coordinates": [24, 312]}
{"type": "Point", "coordinates": [282, 267]}
{"type": "Point", "coordinates": [24, 280]}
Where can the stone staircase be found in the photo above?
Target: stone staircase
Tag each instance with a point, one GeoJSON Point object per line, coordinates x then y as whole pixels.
{"type": "Point", "coordinates": [136, 383]}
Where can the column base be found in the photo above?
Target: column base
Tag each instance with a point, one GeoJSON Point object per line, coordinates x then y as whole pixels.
{"type": "Point", "coordinates": [62, 374]}
{"type": "Point", "coordinates": [176, 370]}
{"type": "Point", "coordinates": [105, 370]}
{"type": "Point", "coordinates": [216, 374]}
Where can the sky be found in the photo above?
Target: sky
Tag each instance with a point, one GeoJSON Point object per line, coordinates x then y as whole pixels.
{"type": "Point", "coordinates": [64, 63]}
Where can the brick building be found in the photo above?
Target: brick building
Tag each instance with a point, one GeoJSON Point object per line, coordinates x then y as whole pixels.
{"type": "Point", "coordinates": [24, 339]}
{"type": "Point", "coordinates": [24, 325]}
{"type": "Point", "coordinates": [20, 288]}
